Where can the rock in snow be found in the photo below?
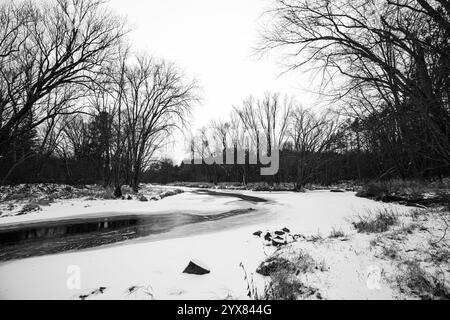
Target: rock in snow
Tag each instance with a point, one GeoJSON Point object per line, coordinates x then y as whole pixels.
{"type": "Point", "coordinates": [278, 242]}
{"type": "Point", "coordinates": [257, 233]}
{"type": "Point", "coordinates": [196, 267]}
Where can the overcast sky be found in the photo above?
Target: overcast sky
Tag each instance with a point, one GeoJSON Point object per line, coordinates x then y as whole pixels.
{"type": "Point", "coordinates": [214, 42]}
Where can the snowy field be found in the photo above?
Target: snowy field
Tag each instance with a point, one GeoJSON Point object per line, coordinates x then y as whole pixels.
{"type": "Point", "coordinates": [152, 267]}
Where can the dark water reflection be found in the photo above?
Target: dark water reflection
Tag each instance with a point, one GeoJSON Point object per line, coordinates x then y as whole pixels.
{"type": "Point", "coordinates": [39, 238]}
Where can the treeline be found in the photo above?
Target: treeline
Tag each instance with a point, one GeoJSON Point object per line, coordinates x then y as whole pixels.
{"type": "Point", "coordinates": [76, 105]}
{"type": "Point", "coordinates": [338, 168]}
{"type": "Point", "coordinates": [313, 148]}
{"type": "Point", "coordinates": [385, 66]}
{"type": "Point", "coordinates": [385, 69]}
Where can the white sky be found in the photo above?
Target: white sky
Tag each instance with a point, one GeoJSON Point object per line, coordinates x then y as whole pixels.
{"type": "Point", "coordinates": [214, 42]}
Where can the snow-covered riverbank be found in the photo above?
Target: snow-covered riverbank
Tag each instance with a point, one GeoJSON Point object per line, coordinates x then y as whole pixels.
{"type": "Point", "coordinates": [152, 267]}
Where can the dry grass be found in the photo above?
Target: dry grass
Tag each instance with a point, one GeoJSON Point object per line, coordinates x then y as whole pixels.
{"type": "Point", "coordinates": [406, 189]}
{"type": "Point", "coordinates": [391, 252]}
{"type": "Point", "coordinates": [440, 256]}
{"type": "Point", "coordinates": [29, 207]}
{"type": "Point", "coordinates": [409, 228]}
{"type": "Point", "coordinates": [337, 233]}
{"type": "Point", "coordinates": [53, 192]}
{"type": "Point", "coordinates": [301, 262]}
{"type": "Point", "coordinates": [285, 286]}
{"type": "Point", "coordinates": [275, 264]}
{"type": "Point", "coordinates": [315, 237]}
{"type": "Point", "coordinates": [415, 280]}
{"type": "Point", "coordinates": [375, 221]}
{"type": "Point", "coordinates": [418, 246]}
{"type": "Point", "coordinates": [375, 190]}
{"type": "Point", "coordinates": [284, 282]}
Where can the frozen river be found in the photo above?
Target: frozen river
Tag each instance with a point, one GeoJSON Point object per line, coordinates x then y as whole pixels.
{"type": "Point", "coordinates": [213, 228]}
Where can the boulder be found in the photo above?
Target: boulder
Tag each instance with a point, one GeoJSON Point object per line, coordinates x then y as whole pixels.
{"type": "Point", "coordinates": [257, 233]}
{"type": "Point", "coordinates": [196, 267]}
{"type": "Point", "coordinates": [278, 242]}
{"type": "Point", "coordinates": [268, 236]}
{"type": "Point", "coordinates": [297, 236]}
{"type": "Point", "coordinates": [337, 190]}
{"type": "Point", "coordinates": [286, 230]}
{"type": "Point", "coordinates": [279, 233]}
{"type": "Point", "coordinates": [129, 197]}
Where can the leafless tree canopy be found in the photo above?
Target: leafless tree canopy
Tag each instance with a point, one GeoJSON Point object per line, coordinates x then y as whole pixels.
{"type": "Point", "coordinates": [52, 51]}
{"type": "Point", "coordinates": [390, 62]}
{"type": "Point", "coordinates": [75, 96]}
{"type": "Point", "coordinates": [60, 59]}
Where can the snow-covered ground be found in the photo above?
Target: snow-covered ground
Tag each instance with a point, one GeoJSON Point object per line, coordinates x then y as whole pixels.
{"type": "Point", "coordinates": [152, 267]}
{"type": "Point", "coordinates": [185, 202]}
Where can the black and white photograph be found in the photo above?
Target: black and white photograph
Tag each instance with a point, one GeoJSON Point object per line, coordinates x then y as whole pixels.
{"type": "Point", "coordinates": [212, 150]}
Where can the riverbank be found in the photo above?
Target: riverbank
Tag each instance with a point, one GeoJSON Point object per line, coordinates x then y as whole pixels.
{"type": "Point", "coordinates": [152, 267]}
{"type": "Point", "coordinates": [393, 255]}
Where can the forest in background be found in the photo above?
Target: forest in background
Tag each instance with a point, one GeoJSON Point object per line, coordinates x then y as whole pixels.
{"type": "Point", "coordinates": [77, 106]}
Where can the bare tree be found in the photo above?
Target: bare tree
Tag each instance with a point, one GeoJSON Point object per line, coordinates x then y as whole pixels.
{"type": "Point", "coordinates": [220, 132]}
{"type": "Point", "coordinates": [157, 99]}
{"type": "Point", "coordinates": [240, 143]}
{"type": "Point", "coordinates": [56, 45]}
{"type": "Point", "coordinates": [274, 113]}
{"type": "Point", "coordinates": [391, 58]}
{"type": "Point", "coordinates": [248, 114]}
{"type": "Point", "coordinates": [312, 136]}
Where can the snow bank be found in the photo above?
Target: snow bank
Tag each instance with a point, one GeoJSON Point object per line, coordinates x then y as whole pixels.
{"type": "Point", "coordinates": [184, 202]}
{"type": "Point", "coordinates": [156, 263]}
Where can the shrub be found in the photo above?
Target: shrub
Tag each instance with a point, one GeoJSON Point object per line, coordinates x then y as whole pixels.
{"type": "Point", "coordinates": [285, 286]}
{"type": "Point", "coordinates": [301, 262]}
{"type": "Point", "coordinates": [106, 194]}
{"type": "Point", "coordinates": [30, 207]}
{"type": "Point", "coordinates": [304, 263]}
{"type": "Point", "coordinates": [377, 221]}
{"type": "Point", "coordinates": [421, 283]}
{"type": "Point", "coordinates": [337, 233]}
{"type": "Point", "coordinates": [315, 237]}
{"type": "Point", "coordinates": [275, 264]}
{"type": "Point", "coordinates": [284, 283]}
{"type": "Point", "coordinates": [410, 189]}
{"type": "Point", "coordinates": [390, 251]}
{"type": "Point", "coordinates": [375, 190]}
